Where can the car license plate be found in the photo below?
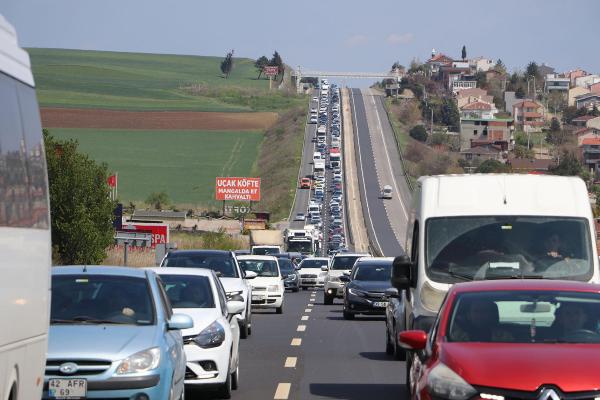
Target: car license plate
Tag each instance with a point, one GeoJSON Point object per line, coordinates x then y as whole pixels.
{"type": "Point", "coordinates": [258, 297]}
{"type": "Point", "coordinates": [67, 388]}
{"type": "Point", "coordinates": [380, 304]}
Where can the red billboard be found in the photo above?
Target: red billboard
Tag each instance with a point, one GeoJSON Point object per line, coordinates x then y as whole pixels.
{"type": "Point", "coordinates": [240, 189]}
{"type": "Point", "coordinates": [271, 70]}
{"type": "Point", "coordinates": [160, 232]}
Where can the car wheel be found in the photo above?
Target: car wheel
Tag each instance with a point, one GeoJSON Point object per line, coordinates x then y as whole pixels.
{"type": "Point", "coordinates": [348, 315]}
{"type": "Point", "coordinates": [327, 299]}
{"type": "Point", "coordinates": [399, 352]}
{"type": "Point", "coordinates": [235, 378]}
{"type": "Point", "coordinates": [389, 348]}
{"type": "Point", "coordinates": [244, 330]}
{"type": "Point", "coordinates": [225, 389]}
{"type": "Point", "coordinates": [279, 310]}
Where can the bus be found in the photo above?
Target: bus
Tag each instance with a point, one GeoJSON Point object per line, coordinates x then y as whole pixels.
{"type": "Point", "coordinates": [25, 242]}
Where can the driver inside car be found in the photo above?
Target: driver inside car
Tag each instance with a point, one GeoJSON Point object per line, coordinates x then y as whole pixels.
{"type": "Point", "coordinates": [569, 319]}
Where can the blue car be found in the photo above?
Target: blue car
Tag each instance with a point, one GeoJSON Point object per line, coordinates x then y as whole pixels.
{"type": "Point", "coordinates": [113, 335]}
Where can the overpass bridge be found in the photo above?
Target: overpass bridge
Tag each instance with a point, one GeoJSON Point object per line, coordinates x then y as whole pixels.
{"type": "Point", "coordinates": [300, 73]}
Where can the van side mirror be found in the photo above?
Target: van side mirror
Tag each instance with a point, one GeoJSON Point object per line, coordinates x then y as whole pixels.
{"type": "Point", "coordinates": [401, 272]}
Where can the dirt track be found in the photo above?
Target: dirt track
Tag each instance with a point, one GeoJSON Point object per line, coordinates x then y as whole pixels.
{"type": "Point", "coordinates": [167, 120]}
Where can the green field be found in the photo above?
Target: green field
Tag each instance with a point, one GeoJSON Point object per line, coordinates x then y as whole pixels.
{"type": "Point", "coordinates": [139, 81]}
{"type": "Point", "coordinates": [182, 163]}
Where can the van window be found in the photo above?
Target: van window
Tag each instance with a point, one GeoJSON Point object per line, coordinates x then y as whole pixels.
{"type": "Point", "coordinates": [492, 247]}
{"type": "Point", "coordinates": [23, 180]}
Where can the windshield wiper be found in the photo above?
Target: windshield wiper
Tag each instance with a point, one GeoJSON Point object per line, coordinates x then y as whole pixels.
{"type": "Point", "coordinates": [85, 320]}
{"type": "Point", "coordinates": [465, 278]}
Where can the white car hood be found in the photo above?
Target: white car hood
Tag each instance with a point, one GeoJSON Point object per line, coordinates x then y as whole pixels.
{"type": "Point", "coordinates": [338, 272]}
{"type": "Point", "coordinates": [265, 281]}
{"type": "Point", "coordinates": [202, 318]}
{"type": "Point", "coordinates": [316, 271]}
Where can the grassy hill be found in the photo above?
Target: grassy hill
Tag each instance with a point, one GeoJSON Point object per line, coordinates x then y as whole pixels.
{"type": "Point", "coordinates": [144, 82]}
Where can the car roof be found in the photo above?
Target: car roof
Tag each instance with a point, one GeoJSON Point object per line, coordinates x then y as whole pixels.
{"type": "Point", "coordinates": [353, 255]}
{"type": "Point", "coordinates": [257, 257]}
{"type": "Point", "coordinates": [316, 258]}
{"type": "Point", "coordinates": [182, 271]}
{"type": "Point", "coordinates": [376, 260]}
{"type": "Point", "coordinates": [524, 284]}
{"type": "Point", "coordinates": [196, 252]}
{"type": "Point", "coordinates": [99, 270]}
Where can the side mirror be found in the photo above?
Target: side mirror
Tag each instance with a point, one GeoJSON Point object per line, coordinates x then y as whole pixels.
{"type": "Point", "coordinates": [401, 271]}
{"type": "Point", "coordinates": [235, 307]}
{"type": "Point", "coordinates": [180, 321]}
{"type": "Point", "coordinates": [413, 340]}
{"type": "Point", "coordinates": [392, 292]}
{"type": "Point", "coordinates": [236, 297]}
{"type": "Point", "coordinates": [345, 278]}
{"type": "Point", "coordinates": [250, 275]}
{"type": "Point", "coordinates": [324, 268]}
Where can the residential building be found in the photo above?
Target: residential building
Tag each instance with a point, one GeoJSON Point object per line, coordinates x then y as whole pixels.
{"type": "Point", "coordinates": [545, 69]}
{"type": "Point", "coordinates": [458, 83]}
{"type": "Point", "coordinates": [574, 74]}
{"type": "Point", "coordinates": [483, 152]}
{"type": "Point", "coordinates": [574, 92]}
{"type": "Point", "coordinates": [595, 88]}
{"type": "Point", "coordinates": [556, 83]}
{"type": "Point", "coordinates": [510, 100]}
{"type": "Point", "coordinates": [530, 166]}
{"type": "Point", "coordinates": [463, 100]}
{"type": "Point", "coordinates": [587, 80]}
{"type": "Point", "coordinates": [485, 130]}
{"type": "Point", "coordinates": [588, 101]}
{"type": "Point", "coordinates": [438, 60]}
{"type": "Point", "coordinates": [461, 64]}
{"type": "Point", "coordinates": [448, 74]}
{"type": "Point", "coordinates": [478, 109]}
{"type": "Point", "coordinates": [590, 153]}
{"type": "Point", "coordinates": [481, 64]}
{"type": "Point", "coordinates": [528, 115]}
{"type": "Point", "coordinates": [582, 121]}
{"type": "Point", "coordinates": [593, 123]}
{"type": "Point", "coordinates": [586, 133]}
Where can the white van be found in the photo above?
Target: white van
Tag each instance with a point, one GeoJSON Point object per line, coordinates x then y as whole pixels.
{"type": "Point", "coordinates": [24, 228]}
{"type": "Point", "coordinates": [317, 156]}
{"type": "Point", "coordinates": [492, 226]}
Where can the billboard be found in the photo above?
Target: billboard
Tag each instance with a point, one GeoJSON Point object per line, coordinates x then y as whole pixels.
{"type": "Point", "coordinates": [160, 232]}
{"type": "Point", "coordinates": [270, 70]}
{"type": "Point", "coordinates": [241, 189]}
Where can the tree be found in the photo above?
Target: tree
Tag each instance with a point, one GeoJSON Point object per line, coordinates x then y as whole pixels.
{"type": "Point", "coordinates": [569, 165]}
{"type": "Point", "coordinates": [572, 112]}
{"type": "Point", "coordinates": [523, 152]}
{"type": "Point", "coordinates": [492, 166]}
{"type": "Point", "coordinates": [481, 78]}
{"type": "Point", "coordinates": [227, 64]}
{"type": "Point", "coordinates": [500, 67]}
{"type": "Point", "coordinates": [158, 200]}
{"type": "Point", "coordinates": [450, 115]}
{"type": "Point", "coordinates": [419, 133]}
{"type": "Point", "coordinates": [520, 93]}
{"type": "Point", "coordinates": [397, 66]}
{"type": "Point", "coordinates": [464, 53]}
{"type": "Point", "coordinates": [276, 61]}
{"type": "Point", "coordinates": [260, 64]}
{"type": "Point", "coordinates": [554, 125]}
{"type": "Point", "coordinates": [80, 206]}
{"type": "Point", "coordinates": [532, 70]}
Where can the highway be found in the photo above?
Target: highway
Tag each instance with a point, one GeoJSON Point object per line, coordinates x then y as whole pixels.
{"type": "Point", "coordinates": [333, 359]}
{"type": "Point", "coordinates": [378, 165]}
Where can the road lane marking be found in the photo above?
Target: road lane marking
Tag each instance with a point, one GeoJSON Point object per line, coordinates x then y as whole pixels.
{"type": "Point", "coordinates": [290, 362]}
{"type": "Point", "coordinates": [311, 305]}
{"type": "Point", "coordinates": [301, 328]}
{"type": "Point", "coordinates": [308, 310]}
{"type": "Point", "coordinates": [313, 299]}
{"type": "Point", "coordinates": [283, 391]}
{"type": "Point", "coordinates": [362, 174]}
{"type": "Point", "coordinates": [304, 317]}
{"type": "Point", "coordinates": [296, 342]}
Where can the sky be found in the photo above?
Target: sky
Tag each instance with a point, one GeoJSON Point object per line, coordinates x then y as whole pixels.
{"type": "Point", "coordinates": [329, 35]}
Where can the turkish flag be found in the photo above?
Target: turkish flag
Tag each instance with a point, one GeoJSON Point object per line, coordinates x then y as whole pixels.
{"type": "Point", "coordinates": [112, 181]}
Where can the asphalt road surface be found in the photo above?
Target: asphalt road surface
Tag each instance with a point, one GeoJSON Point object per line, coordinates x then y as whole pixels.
{"type": "Point", "coordinates": [327, 357]}
{"type": "Point", "coordinates": [377, 166]}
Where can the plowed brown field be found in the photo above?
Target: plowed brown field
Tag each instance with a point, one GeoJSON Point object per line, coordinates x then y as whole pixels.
{"type": "Point", "coordinates": [164, 120]}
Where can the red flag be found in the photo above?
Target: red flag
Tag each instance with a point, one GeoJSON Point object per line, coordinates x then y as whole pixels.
{"type": "Point", "coordinates": [112, 181]}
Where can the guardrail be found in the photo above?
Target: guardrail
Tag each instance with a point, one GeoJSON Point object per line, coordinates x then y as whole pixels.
{"type": "Point", "coordinates": [396, 133]}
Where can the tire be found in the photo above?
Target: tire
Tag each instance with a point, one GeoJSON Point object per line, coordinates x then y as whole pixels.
{"type": "Point", "coordinates": [224, 391]}
{"type": "Point", "coordinates": [304, 287]}
{"type": "Point", "coordinates": [389, 348]}
{"type": "Point", "coordinates": [399, 352]}
{"type": "Point", "coordinates": [327, 299]}
{"type": "Point", "coordinates": [244, 330]}
{"type": "Point", "coordinates": [279, 310]}
{"type": "Point", "coordinates": [235, 378]}
{"type": "Point", "coordinates": [348, 315]}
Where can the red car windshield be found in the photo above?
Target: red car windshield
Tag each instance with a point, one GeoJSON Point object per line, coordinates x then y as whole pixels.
{"type": "Point", "coordinates": [525, 317]}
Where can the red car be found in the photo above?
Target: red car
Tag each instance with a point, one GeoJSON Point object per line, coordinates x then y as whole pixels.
{"type": "Point", "coordinates": [509, 339]}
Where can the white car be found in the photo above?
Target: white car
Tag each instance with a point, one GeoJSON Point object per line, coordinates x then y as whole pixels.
{"type": "Point", "coordinates": [212, 345]}
{"type": "Point", "coordinates": [225, 265]}
{"type": "Point", "coordinates": [338, 265]}
{"type": "Point", "coordinates": [313, 271]}
{"type": "Point", "coordinates": [300, 217]}
{"type": "Point", "coordinates": [267, 287]}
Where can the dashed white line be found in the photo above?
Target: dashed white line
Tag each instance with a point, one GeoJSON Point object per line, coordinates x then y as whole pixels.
{"type": "Point", "coordinates": [296, 342]}
{"type": "Point", "coordinates": [301, 328]}
{"type": "Point", "coordinates": [313, 299]}
{"type": "Point", "coordinates": [308, 310]}
{"type": "Point", "coordinates": [283, 391]}
{"type": "Point", "coordinates": [304, 318]}
{"type": "Point", "coordinates": [311, 305]}
{"type": "Point", "coordinates": [290, 362]}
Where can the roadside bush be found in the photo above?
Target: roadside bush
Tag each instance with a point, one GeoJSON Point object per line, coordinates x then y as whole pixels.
{"type": "Point", "coordinates": [418, 133]}
{"type": "Point", "coordinates": [492, 166]}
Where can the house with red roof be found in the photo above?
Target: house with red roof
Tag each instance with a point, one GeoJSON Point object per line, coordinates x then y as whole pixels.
{"type": "Point", "coordinates": [529, 115]}
{"type": "Point", "coordinates": [590, 153]}
{"type": "Point", "coordinates": [582, 121]}
{"type": "Point", "coordinates": [438, 60]}
{"type": "Point", "coordinates": [478, 109]}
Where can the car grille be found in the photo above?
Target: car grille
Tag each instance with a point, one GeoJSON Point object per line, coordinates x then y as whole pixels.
{"type": "Point", "coordinates": [376, 295]}
{"type": "Point", "coordinates": [523, 395]}
{"type": "Point", "coordinates": [308, 276]}
{"type": "Point", "coordinates": [259, 288]}
{"type": "Point", "coordinates": [84, 367]}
